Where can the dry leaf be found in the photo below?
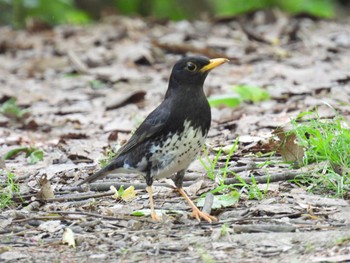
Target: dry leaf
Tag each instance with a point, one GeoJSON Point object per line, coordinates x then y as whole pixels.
{"type": "Point", "coordinates": [115, 191]}
{"type": "Point", "coordinates": [194, 188]}
{"type": "Point", "coordinates": [46, 191]}
{"type": "Point", "coordinates": [68, 237]}
{"type": "Point", "coordinates": [128, 194]}
{"type": "Point", "coordinates": [289, 148]}
{"type": "Point", "coordinates": [51, 226]}
{"type": "Point", "coordinates": [125, 97]}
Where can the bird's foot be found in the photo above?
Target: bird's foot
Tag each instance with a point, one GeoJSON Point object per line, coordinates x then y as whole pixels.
{"type": "Point", "coordinates": [198, 214]}
{"type": "Point", "coordinates": [155, 217]}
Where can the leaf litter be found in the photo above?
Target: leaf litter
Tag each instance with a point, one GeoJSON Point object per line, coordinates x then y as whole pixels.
{"type": "Point", "coordinates": [86, 93]}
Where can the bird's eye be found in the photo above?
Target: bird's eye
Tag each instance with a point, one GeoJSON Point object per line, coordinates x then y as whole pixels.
{"type": "Point", "coordinates": [191, 66]}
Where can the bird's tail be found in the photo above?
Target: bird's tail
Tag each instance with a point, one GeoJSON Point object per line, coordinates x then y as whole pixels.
{"type": "Point", "coordinates": [115, 164]}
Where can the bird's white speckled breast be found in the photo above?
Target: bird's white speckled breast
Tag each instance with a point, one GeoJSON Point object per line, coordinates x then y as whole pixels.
{"type": "Point", "coordinates": [177, 152]}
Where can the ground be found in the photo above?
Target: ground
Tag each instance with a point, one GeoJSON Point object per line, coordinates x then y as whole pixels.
{"type": "Point", "coordinates": [86, 88]}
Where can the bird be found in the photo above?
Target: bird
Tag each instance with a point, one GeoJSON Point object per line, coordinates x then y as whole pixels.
{"type": "Point", "coordinates": [172, 135]}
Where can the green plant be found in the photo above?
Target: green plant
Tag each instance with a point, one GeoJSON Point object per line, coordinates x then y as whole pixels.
{"type": "Point", "coordinates": [252, 190]}
{"type": "Point", "coordinates": [242, 93]}
{"type": "Point", "coordinates": [10, 109]}
{"type": "Point", "coordinates": [110, 154]}
{"type": "Point", "coordinates": [18, 12]}
{"type": "Point", "coordinates": [96, 84]}
{"type": "Point", "coordinates": [8, 190]}
{"type": "Point", "coordinates": [228, 194]}
{"type": "Point", "coordinates": [343, 241]}
{"type": "Point", "coordinates": [251, 93]}
{"type": "Point", "coordinates": [34, 155]}
{"type": "Point", "coordinates": [269, 161]}
{"type": "Point", "coordinates": [225, 229]}
{"type": "Point", "coordinates": [325, 142]}
{"type": "Point", "coordinates": [205, 256]}
{"type": "Point", "coordinates": [127, 194]}
{"type": "Point", "coordinates": [175, 9]}
{"type": "Point", "coordinates": [50, 12]}
{"type": "Point", "coordinates": [320, 8]}
{"type": "Point", "coordinates": [208, 164]}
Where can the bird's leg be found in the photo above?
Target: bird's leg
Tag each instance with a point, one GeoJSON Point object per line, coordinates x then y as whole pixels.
{"type": "Point", "coordinates": [149, 189]}
{"type": "Point", "coordinates": [198, 214]}
{"type": "Point", "coordinates": [151, 204]}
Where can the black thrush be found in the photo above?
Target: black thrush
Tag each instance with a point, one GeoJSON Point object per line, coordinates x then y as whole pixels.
{"type": "Point", "coordinates": [171, 137]}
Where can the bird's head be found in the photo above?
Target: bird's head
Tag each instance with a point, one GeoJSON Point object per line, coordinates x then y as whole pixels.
{"type": "Point", "coordinates": [192, 71]}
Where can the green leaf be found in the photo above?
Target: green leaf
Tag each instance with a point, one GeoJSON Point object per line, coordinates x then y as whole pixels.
{"type": "Point", "coordinates": [57, 12]}
{"type": "Point", "coordinates": [230, 100]}
{"type": "Point", "coordinates": [229, 8]}
{"type": "Point", "coordinates": [138, 213]}
{"type": "Point", "coordinates": [128, 194]}
{"type": "Point", "coordinates": [35, 156]}
{"type": "Point", "coordinates": [221, 201]}
{"type": "Point", "coordinates": [96, 84]}
{"type": "Point", "coordinates": [110, 154]}
{"type": "Point", "coordinates": [320, 8]}
{"type": "Point", "coordinates": [251, 93]}
{"type": "Point", "coordinates": [10, 109]}
{"type": "Point", "coordinates": [243, 93]}
{"type": "Point", "coordinates": [121, 190]}
{"type": "Point", "coordinates": [12, 153]}
{"type": "Point", "coordinates": [147, 212]}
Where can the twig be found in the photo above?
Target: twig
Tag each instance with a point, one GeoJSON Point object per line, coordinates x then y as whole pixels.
{"type": "Point", "coordinates": [262, 228]}
{"type": "Point", "coordinates": [99, 187]}
{"type": "Point", "coordinates": [14, 230]}
{"type": "Point", "coordinates": [252, 35]}
{"type": "Point", "coordinates": [105, 186]}
{"type": "Point", "coordinates": [77, 197]}
{"type": "Point", "coordinates": [18, 179]}
{"type": "Point", "coordinates": [22, 243]}
{"type": "Point", "coordinates": [284, 176]}
{"type": "Point", "coordinates": [125, 217]}
{"type": "Point", "coordinates": [41, 218]}
{"type": "Point", "coordinates": [208, 203]}
{"type": "Point", "coordinates": [63, 213]}
{"type": "Point", "coordinates": [77, 63]}
{"type": "Point", "coordinates": [249, 167]}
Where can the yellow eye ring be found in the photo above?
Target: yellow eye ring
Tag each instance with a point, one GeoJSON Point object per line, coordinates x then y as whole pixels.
{"type": "Point", "coordinates": [191, 66]}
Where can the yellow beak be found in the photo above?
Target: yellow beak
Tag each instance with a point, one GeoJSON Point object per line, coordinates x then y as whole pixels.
{"type": "Point", "coordinates": [213, 63]}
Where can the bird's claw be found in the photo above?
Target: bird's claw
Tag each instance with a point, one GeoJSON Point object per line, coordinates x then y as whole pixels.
{"type": "Point", "coordinates": [199, 214]}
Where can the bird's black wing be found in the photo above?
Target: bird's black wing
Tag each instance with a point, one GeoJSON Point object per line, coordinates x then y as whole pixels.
{"type": "Point", "coordinates": [152, 125]}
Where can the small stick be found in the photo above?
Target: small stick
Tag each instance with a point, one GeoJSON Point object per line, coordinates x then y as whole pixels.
{"type": "Point", "coordinates": [105, 186]}
{"type": "Point", "coordinates": [252, 35]}
{"type": "Point", "coordinates": [124, 217]}
{"type": "Point", "coordinates": [208, 203]}
{"type": "Point", "coordinates": [77, 197]}
{"type": "Point", "coordinates": [262, 228]}
{"type": "Point", "coordinates": [78, 64]}
{"type": "Point", "coordinates": [284, 176]}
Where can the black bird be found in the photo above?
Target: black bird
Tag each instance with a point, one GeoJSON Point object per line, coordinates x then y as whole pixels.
{"type": "Point", "coordinates": [171, 137]}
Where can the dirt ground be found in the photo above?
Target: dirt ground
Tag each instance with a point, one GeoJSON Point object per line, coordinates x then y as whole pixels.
{"type": "Point", "coordinates": [86, 88]}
